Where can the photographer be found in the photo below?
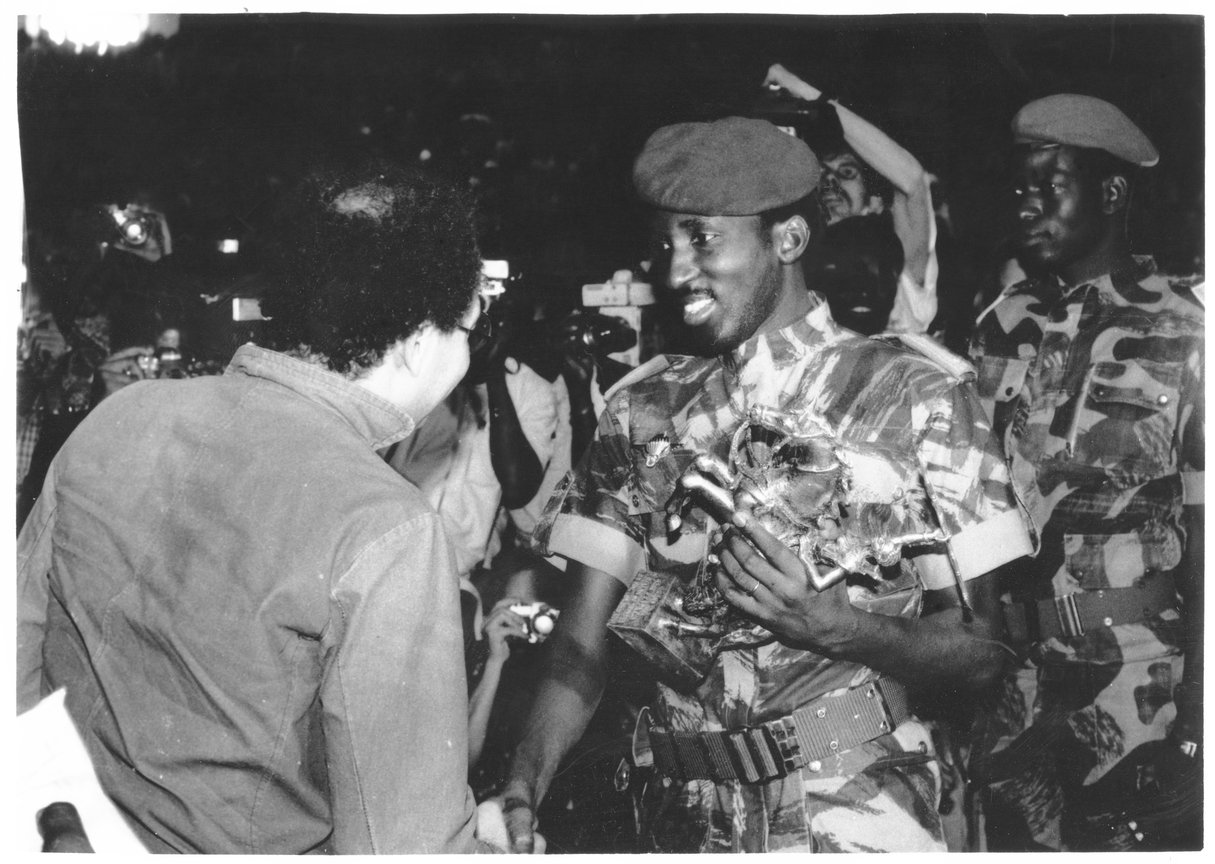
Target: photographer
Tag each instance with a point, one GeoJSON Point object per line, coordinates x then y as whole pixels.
{"type": "Point", "coordinates": [116, 311]}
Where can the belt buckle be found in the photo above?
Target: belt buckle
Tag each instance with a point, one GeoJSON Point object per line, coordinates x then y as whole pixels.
{"type": "Point", "coordinates": [1069, 615]}
{"type": "Point", "coordinates": [783, 735]}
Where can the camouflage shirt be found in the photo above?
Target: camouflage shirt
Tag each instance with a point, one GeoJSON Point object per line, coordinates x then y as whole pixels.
{"type": "Point", "coordinates": [608, 513]}
{"type": "Point", "coordinates": [1096, 392]}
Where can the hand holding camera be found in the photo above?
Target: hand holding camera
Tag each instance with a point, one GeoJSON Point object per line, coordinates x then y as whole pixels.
{"type": "Point", "coordinates": [538, 619]}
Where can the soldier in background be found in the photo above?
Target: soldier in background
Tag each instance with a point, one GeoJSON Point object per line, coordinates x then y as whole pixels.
{"type": "Point", "coordinates": [1094, 376]}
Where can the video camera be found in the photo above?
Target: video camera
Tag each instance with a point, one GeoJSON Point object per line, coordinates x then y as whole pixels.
{"type": "Point", "coordinates": [595, 332]}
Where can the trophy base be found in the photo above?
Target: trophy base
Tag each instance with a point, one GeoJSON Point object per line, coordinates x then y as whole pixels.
{"type": "Point", "coordinates": [651, 621]}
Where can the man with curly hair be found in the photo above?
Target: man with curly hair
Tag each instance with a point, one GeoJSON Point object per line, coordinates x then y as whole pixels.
{"type": "Point", "coordinates": [246, 605]}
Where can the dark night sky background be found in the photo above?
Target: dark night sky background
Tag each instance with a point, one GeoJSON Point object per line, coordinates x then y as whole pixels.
{"type": "Point", "coordinates": [212, 121]}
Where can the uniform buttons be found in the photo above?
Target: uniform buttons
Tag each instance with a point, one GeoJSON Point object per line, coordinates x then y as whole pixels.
{"type": "Point", "coordinates": [1163, 399]}
{"type": "Point", "coordinates": [1008, 391]}
{"type": "Point", "coordinates": [820, 713]}
{"type": "Point", "coordinates": [1107, 621]}
{"type": "Point", "coordinates": [815, 766]}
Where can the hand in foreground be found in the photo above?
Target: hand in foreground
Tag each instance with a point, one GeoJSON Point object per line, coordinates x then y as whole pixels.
{"type": "Point", "coordinates": [517, 825]}
{"type": "Point", "coordinates": [491, 828]}
{"type": "Point", "coordinates": [764, 578]}
{"type": "Point", "coordinates": [501, 625]}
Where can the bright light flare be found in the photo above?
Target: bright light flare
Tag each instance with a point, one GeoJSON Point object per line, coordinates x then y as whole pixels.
{"type": "Point", "coordinates": [93, 32]}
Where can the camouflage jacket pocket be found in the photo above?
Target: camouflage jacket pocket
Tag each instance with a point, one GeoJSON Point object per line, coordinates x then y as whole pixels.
{"type": "Point", "coordinates": [1001, 381]}
{"type": "Point", "coordinates": [1126, 423]}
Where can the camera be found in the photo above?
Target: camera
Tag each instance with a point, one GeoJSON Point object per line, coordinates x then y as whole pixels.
{"type": "Point", "coordinates": [171, 363]}
{"type": "Point", "coordinates": [598, 333]}
{"type": "Point", "coordinates": [140, 231]}
{"type": "Point", "coordinates": [165, 363]}
{"type": "Point", "coordinates": [539, 619]}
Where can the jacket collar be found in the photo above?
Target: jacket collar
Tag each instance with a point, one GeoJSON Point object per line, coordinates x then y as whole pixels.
{"type": "Point", "coordinates": [374, 418]}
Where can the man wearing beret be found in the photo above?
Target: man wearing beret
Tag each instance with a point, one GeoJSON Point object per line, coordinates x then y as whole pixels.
{"type": "Point", "coordinates": [1092, 371]}
{"type": "Point", "coordinates": [796, 732]}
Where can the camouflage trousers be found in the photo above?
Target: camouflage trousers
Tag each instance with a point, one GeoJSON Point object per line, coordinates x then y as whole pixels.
{"type": "Point", "coordinates": [1060, 753]}
{"type": "Point", "coordinates": [879, 797]}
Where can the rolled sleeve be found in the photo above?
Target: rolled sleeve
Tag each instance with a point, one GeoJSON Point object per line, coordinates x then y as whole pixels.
{"type": "Point", "coordinates": [594, 544]}
{"type": "Point", "coordinates": [968, 484]}
{"type": "Point", "coordinates": [589, 519]}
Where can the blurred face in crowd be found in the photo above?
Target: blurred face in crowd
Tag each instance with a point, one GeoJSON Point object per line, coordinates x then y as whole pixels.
{"type": "Point", "coordinates": [723, 272]}
{"type": "Point", "coordinates": [1060, 210]}
{"type": "Point", "coordinates": [843, 189]}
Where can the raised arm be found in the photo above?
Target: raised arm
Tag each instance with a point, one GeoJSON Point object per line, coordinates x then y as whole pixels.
{"type": "Point", "coordinates": [911, 210]}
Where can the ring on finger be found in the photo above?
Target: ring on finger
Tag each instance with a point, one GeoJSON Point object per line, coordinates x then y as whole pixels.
{"type": "Point", "coordinates": [754, 588]}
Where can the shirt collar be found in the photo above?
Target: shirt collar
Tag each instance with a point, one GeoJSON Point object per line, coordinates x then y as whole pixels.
{"type": "Point", "coordinates": [753, 363]}
{"type": "Point", "coordinates": [375, 419]}
{"type": "Point", "coordinates": [1107, 283]}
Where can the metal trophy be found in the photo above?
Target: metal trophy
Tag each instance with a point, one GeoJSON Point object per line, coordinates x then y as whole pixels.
{"type": "Point", "coordinates": [846, 510]}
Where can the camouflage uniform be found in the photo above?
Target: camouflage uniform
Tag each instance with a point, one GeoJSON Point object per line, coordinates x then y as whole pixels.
{"type": "Point", "coordinates": [608, 514]}
{"type": "Point", "coordinates": [1096, 392]}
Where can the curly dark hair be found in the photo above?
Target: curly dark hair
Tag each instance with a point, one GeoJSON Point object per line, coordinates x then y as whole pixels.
{"type": "Point", "coordinates": [362, 255]}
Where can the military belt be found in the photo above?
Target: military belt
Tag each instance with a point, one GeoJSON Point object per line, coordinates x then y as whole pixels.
{"type": "Point", "coordinates": [1075, 614]}
{"type": "Point", "coordinates": [827, 726]}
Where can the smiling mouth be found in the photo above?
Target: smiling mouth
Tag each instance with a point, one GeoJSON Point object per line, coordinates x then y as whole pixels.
{"type": "Point", "coordinates": [697, 307]}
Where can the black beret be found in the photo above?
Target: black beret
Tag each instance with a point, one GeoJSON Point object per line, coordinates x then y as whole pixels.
{"type": "Point", "coordinates": [1083, 121]}
{"type": "Point", "coordinates": [732, 167]}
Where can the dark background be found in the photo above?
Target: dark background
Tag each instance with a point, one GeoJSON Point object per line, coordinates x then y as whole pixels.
{"type": "Point", "coordinates": [212, 121]}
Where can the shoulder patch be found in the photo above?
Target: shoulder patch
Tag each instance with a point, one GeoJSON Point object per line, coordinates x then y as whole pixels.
{"type": "Point", "coordinates": [923, 345]}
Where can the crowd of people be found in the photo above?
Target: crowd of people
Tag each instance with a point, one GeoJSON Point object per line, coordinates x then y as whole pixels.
{"type": "Point", "coordinates": [852, 570]}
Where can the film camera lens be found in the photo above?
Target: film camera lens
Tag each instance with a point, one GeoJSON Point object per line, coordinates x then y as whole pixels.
{"type": "Point", "coordinates": [602, 334]}
{"type": "Point", "coordinates": [135, 231]}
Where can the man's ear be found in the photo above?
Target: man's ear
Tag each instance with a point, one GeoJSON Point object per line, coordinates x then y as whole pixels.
{"type": "Point", "coordinates": [1115, 194]}
{"type": "Point", "coordinates": [793, 236]}
{"type": "Point", "coordinates": [408, 352]}
{"type": "Point", "coordinates": [875, 204]}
